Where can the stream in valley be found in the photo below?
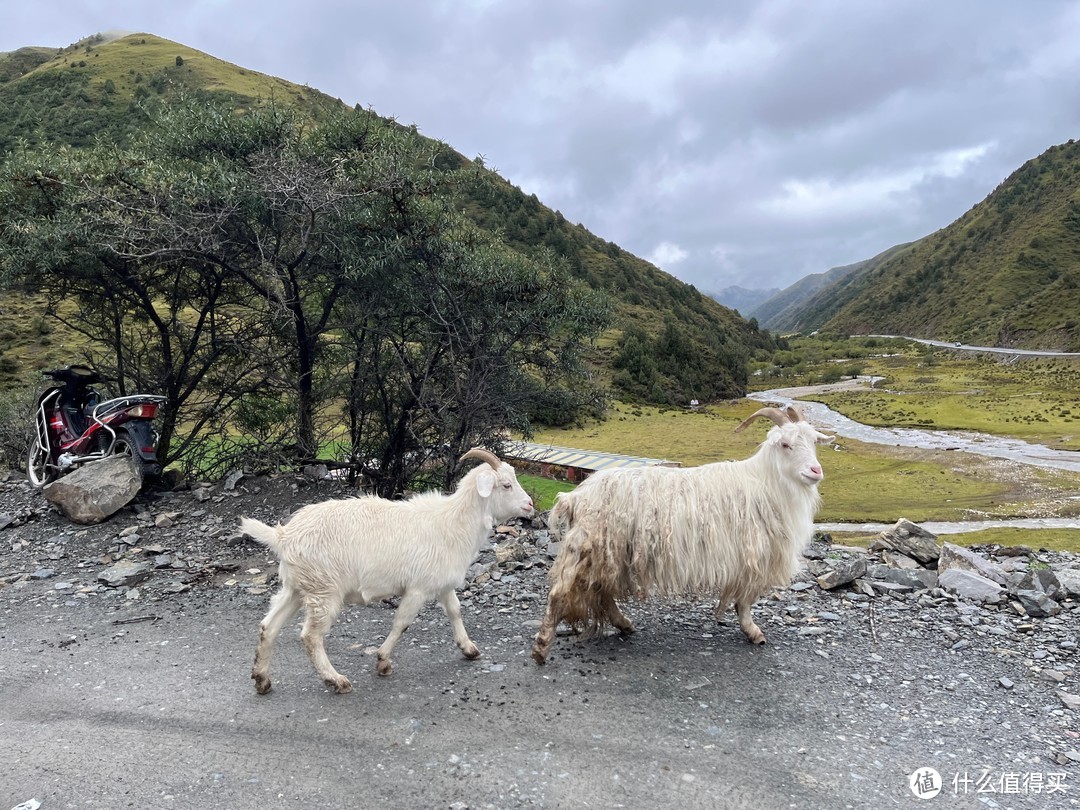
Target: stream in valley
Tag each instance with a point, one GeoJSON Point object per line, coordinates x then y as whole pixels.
{"type": "Point", "coordinates": [982, 444]}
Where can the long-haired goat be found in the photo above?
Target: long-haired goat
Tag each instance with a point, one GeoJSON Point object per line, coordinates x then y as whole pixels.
{"type": "Point", "coordinates": [361, 550]}
{"type": "Point", "coordinates": [732, 528]}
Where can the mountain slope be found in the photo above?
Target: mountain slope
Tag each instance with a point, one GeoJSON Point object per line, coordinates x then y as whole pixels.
{"type": "Point", "coordinates": [96, 87]}
{"type": "Point", "coordinates": [742, 299]}
{"type": "Point", "coordinates": [798, 307]}
{"type": "Point", "coordinates": [103, 88]}
{"type": "Point", "coordinates": [779, 307]}
{"type": "Point", "coordinates": [14, 64]}
{"type": "Point", "coordinates": [1006, 273]}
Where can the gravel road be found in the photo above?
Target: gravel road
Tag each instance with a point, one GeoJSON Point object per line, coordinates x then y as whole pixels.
{"type": "Point", "coordinates": [138, 694]}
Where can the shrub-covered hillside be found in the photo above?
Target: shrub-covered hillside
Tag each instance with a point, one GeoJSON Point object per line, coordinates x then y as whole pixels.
{"type": "Point", "coordinates": [107, 89]}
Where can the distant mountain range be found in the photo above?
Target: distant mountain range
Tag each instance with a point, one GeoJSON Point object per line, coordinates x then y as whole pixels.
{"type": "Point", "coordinates": [1006, 273]}
{"type": "Point", "coordinates": [786, 311]}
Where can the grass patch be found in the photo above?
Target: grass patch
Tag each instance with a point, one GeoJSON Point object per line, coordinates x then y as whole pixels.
{"type": "Point", "coordinates": [543, 490]}
{"type": "Point", "coordinates": [1033, 399]}
{"type": "Point", "coordinates": [30, 341]}
{"type": "Point", "coordinates": [1049, 539]}
{"type": "Point", "coordinates": [691, 437]}
{"type": "Point", "coordinates": [863, 482]}
{"type": "Point", "coordinates": [1038, 539]}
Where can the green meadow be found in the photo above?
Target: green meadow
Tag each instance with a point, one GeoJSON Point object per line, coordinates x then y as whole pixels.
{"type": "Point", "coordinates": [1032, 400]}
{"type": "Point", "coordinates": [543, 490]}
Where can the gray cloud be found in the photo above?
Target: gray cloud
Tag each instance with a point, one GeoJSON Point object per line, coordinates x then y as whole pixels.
{"type": "Point", "coordinates": [734, 143]}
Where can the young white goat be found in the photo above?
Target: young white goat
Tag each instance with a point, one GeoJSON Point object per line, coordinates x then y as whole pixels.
{"type": "Point", "coordinates": [732, 528]}
{"type": "Point", "coordinates": [361, 550]}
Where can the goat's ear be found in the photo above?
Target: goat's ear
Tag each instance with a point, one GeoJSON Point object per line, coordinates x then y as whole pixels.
{"type": "Point", "coordinates": [485, 483]}
{"type": "Point", "coordinates": [822, 438]}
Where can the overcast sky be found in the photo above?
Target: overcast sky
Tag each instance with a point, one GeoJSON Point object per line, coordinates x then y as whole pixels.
{"type": "Point", "coordinates": [730, 143]}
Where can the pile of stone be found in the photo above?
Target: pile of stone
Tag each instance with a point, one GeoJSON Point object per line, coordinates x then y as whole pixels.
{"type": "Point", "coordinates": [906, 558]}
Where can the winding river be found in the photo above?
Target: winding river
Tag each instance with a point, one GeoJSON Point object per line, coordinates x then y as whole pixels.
{"type": "Point", "coordinates": [982, 444]}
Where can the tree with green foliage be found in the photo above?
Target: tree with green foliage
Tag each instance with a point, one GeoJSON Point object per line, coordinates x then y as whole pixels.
{"type": "Point", "coordinates": [636, 374]}
{"type": "Point", "coordinates": [458, 340]}
{"type": "Point", "coordinates": [98, 232]}
{"type": "Point", "coordinates": [224, 258]}
{"type": "Point", "coordinates": [674, 368]}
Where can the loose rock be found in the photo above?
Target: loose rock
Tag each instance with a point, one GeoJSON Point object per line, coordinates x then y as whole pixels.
{"type": "Point", "coordinates": [909, 539]}
{"type": "Point", "coordinates": [124, 573]}
{"type": "Point", "coordinates": [969, 585]}
{"type": "Point", "coordinates": [96, 490]}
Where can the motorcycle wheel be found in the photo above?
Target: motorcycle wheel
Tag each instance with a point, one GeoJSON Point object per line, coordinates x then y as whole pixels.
{"type": "Point", "coordinates": [37, 466]}
{"type": "Point", "coordinates": [124, 445]}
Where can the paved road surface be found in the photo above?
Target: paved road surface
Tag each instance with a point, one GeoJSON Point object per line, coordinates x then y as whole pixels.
{"type": "Point", "coordinates": [101, 709]}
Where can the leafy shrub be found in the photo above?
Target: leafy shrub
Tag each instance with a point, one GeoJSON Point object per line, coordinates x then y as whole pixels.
{"type": "Point", "coordinates": [16, 425]}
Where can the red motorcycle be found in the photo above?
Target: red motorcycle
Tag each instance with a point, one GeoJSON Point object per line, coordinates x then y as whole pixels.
{"type": "Point", "coordinates": [74, 426]}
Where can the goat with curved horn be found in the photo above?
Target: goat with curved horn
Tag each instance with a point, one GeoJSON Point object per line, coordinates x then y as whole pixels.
{"type": "Point", "coordinates": [363, 550]}
{"type": "Point", "coordinates": [483, 455]}
{"type": "Point", "coordinates": [736, 529]}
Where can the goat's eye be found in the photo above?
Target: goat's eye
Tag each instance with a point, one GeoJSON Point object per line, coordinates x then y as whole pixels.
{"type": "Point", "coordinates": [785, 445]}
{"type": "Point", "coordinates": [506, 486]}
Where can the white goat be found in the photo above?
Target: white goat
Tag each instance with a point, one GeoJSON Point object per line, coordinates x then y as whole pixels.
{"type": "Point", "coordinates": [361, 550]}
{"type": "Point", "coordinates": [732, 528]}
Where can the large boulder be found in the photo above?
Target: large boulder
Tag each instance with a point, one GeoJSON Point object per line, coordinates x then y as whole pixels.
{"type": "Point", "coordinates": [124, 573]}
{"type": "Point", "coordinates": [971, 586]}
{"type": "Point", "coordinates": [1069, 580]}
{"type": "Point", "coordinates": [916, 579]}
{"type": "Point", "coordinates": [1037, 591]}
{"type": "Point", "coordinates": [97, 489]}
{"type": "Point", "coordinates": [953, 556]}
{"type": "Point", "coordinates": [909, 539]}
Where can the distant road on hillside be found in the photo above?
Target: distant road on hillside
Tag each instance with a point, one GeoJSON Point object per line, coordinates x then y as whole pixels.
{"type": "Point", "coordinates": [995, 349]}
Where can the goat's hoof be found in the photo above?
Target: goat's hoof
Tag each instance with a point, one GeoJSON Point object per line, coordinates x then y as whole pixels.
{"type": "Point", "coordinates": [472, 652]}
{"type": "Point", "coordinates": [384, 666]}
{"type": "Point", "coordinates": [262, 684]}
{"type": "Point", "coordinates": [756, 638]}
{"type": "Point", "coordinates": [341, 684]}
{"type": "Point", "coordinates": [539, 657]}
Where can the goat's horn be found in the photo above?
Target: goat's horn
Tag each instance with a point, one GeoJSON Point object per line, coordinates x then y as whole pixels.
{"type": "Point", "coordinates": [793, 413]}
{"type": "Point", "coordinates": [483, 455]}
{"type": "Point", "coordinates": [775, 414]}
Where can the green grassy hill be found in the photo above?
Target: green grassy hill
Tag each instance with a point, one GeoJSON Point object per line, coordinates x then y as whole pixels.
{"type": "Point", "coordinates": [14, 64]}
{"type": "Point", "coordinates": [1007, 273]}
{"type": "Point", "coordinates": [787, 310]}
{"type": "Point", "coordinates": [96, 87]}
{"type": "Point", "coordinates": [103, 88]}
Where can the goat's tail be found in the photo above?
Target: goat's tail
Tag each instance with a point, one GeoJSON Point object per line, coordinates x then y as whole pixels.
{"type": "Point", "coordinates": [267, 535]}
